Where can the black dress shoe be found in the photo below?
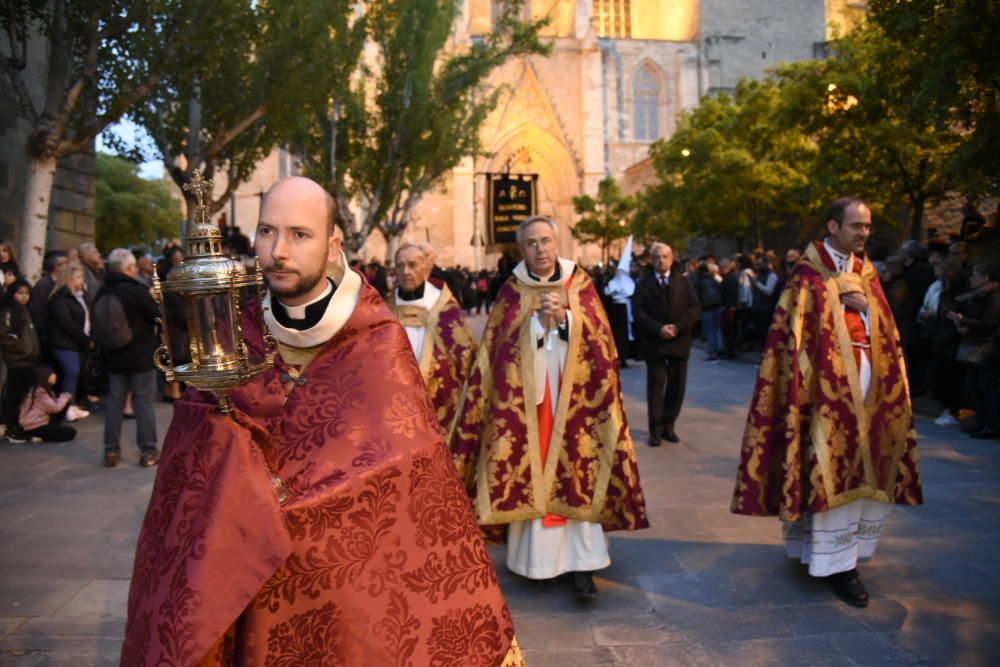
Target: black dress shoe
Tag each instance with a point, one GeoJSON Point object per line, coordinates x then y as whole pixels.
{"type": "Point", "coordinates": [848, 587]}
{"type": "Point", "coordinates": [149, 459]}
{"type": "Point", "coordinates": [583, 585]}
{"type": "Point", "coordinates": [986, 434]}
{"type": "Point", "coordinates": [670, 436]}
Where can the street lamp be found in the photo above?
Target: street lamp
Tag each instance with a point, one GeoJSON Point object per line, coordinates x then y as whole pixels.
{"type": "Point", "coordinates": [685, 152]}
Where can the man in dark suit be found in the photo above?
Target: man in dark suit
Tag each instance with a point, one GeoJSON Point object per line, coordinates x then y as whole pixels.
{"type": "Point", "coordinates": [665, 309]}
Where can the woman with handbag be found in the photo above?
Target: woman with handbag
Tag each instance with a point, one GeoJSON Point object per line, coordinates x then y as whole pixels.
{"type": "Point", "coordinates": [69, 332]}
{"type": "Point", "coordinates": [977, 319]}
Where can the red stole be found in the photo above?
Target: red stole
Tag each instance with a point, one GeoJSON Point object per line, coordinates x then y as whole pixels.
{"type": "Point", "coordinates": [546, 422]}
{"type": "Point", "coordinates": [860, 340]}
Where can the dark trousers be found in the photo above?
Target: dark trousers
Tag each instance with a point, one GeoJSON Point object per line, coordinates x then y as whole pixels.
{"type": "Point", "coordinates": [946, 377]}
{"type": "Point", "coordinates": [984, 386]}
{"type": "Point", "coordinates": [761, 324]}
{"type": "Point", "coordinates": [19, 379]}
{"type": "Point", "coordinates": [618, 316]}
{"type": "Point", "coordinates": [52, 433]}
{"type": "Point", "coordinates": [666, 378]}
{"type": "Point", "coordinates": [143, 386]}
{"type": "Point", "coordinates": [68, 362]}
{"type": "Point", "coordinates": [729, 331]}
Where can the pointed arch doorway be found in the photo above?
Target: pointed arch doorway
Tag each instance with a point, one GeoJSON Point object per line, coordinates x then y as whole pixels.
{"type": "Point", "coordinates": [530, 149]}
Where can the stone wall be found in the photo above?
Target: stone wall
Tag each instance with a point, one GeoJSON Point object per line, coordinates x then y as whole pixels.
{"type": "Point", "coordinates": [742, 38]}
{"type": "Point", "coordinates": [71, 213]}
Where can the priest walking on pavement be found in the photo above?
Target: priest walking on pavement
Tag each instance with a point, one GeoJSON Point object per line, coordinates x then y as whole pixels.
{"type": "Point", "coordinates": [432, 318]}
{"type": "Point", "coordinates": [542, 440]}
{"type": "Point", "coordinates": [829, 445]}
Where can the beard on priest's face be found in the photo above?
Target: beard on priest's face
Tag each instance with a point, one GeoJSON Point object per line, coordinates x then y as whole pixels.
{"type": "Point", "coordinates": [287, 283]}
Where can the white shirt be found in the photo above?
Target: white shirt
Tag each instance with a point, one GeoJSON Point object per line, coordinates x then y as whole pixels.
{"type": "Point", "coordinates": [844, 264]}
{"type": "Point", "coordinates": [416, 335]}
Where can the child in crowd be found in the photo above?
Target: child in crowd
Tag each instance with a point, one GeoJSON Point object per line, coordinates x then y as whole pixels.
{"type": "Point", "coordinates": [39, 404]}
{"type": "Point", "coordinates": [20, 350]}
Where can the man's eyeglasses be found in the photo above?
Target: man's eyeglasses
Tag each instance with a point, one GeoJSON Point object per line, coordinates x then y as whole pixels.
{"type": "Point", "coordinates": [544, 242]}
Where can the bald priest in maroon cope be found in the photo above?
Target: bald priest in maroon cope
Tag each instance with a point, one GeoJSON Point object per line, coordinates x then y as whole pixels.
{"type": "Point", "coordinates": [375, 557]}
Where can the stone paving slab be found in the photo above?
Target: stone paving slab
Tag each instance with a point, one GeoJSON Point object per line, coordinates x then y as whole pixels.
{"type": "Point", "coordinates": [701, 587]}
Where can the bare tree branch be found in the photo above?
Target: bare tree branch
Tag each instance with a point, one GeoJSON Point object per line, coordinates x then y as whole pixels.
{"type": "Point", "coordinates": [228, 136]}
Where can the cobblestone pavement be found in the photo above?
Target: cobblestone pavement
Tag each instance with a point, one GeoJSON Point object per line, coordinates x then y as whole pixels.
{"type": "Point", "coordinates": [701, 587]}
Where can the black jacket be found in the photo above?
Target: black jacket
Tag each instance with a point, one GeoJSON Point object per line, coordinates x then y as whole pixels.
{"type": "Point", "coordinates": [39, 304]}
{"type": "Point", "coordinates": [709, 291]}
{"type": "Point", "coordinates": [141, 311]}
{"type": "Point", "coordinates": [64, 330]}
{"type": "Point", "coordinates": [653, 306]}
{"type": "Point", "coordinates": [18, 340]}
{"type": "Point", "coordinates": [731, 290]}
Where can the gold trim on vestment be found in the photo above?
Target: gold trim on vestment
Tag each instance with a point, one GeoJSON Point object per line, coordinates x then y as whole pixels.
{"type": "Point", "coordinates": [543, 484]}
{"type": "Point", "coordinates": [864, 407]}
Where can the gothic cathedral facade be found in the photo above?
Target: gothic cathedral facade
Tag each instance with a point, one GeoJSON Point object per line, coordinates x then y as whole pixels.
{"type": "Point", "coordinates": [620, 74]}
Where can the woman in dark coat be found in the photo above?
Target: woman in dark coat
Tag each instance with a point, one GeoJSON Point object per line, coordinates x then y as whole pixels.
{"type": "Point", "coordinates": [68, 331]}
{"type": "Point", "coordinates": [978, 321]}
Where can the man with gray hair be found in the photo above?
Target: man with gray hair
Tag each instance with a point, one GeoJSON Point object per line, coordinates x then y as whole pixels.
{"type": "Point", "coordinates": [666, 308]}
{"type": "Point", "coordinates": [129, 366]}
{"type": "Point", "coordinates": [93, 271]}
{"type": "Point", "coordinates": [542, 440]}
{"type": "Point", "coordinates": [432, 318]}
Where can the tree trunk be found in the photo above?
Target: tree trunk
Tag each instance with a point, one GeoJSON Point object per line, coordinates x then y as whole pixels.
{"type": "Point", "coordinates": [392, 245]}
{"type": "Point", "coordinates": [37, 197]}
{"type": "Point", "coordinates": [917, 218]}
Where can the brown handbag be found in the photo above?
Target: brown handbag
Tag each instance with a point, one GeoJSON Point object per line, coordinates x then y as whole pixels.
{"type": "Point", "coordinates": [976, 350]}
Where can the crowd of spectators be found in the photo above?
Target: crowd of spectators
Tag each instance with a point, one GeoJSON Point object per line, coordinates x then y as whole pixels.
{"type": "Point", "coordinates": [55, 370]}
{"type": "Point", "coordinates": [59, 363]}
{"type": "Point", "coordinates": [946, 307]}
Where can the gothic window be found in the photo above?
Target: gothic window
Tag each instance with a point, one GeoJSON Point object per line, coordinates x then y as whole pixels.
{"type": "Point", "coordinates": [614, 18]}
{"type": "Point", "coordinates": [645, 106]}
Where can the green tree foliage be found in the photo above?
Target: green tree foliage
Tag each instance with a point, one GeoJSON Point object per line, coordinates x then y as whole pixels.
{"type": "Point", "coordinates": [729, 170]}
{"type": "Point", "coordinates": [949, 62]}
{"type": "Point", "coordinates": [381, 135]}
{"type": "Point", "coordinates": [858, 105]}
{"type": "Point", "coordinates": [603, 219]}
{"type": "Point", "coordinates": [96, 60]}
{"type": "Point", "coordinates": [132, 211]}
{"type": "Point", "coordinates": [891, 115]}
{"type": "Point", "coordinates": [225, 103]}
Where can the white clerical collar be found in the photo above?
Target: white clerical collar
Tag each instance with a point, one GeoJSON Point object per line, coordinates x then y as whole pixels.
{"type": "Point", "coordinates": [431, 294]}
{"type": "Point", "coordinates": [299, 312]}
{"type": "Point", "coordinates": [566, 266]}
{"type": "Point", "coordinates": [338, 310]}
{"type": "Point", "coordinates": [839, 258]}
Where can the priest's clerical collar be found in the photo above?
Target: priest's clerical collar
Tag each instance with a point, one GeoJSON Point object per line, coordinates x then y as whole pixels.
{"type": "Point", "coordinates": [411, 296]}
{"type": "Point", "coordinates": [307, 315]}
{"type": "Point", "coordinates": [554, 278]}
{"type": "Point", "coordinates": [839, 258]}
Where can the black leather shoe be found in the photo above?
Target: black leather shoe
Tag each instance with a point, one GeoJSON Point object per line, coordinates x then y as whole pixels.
{"type": "Point", "coordinates": [848, 587]}
{"type": "Point", "coordinates": [583, 585]}
{"type": "Point", "coordinates": [111, 459]}
{"type": "Point", "coordinates": [986, 434]}
{"type": "Point", "coordinates": [670, 436]}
